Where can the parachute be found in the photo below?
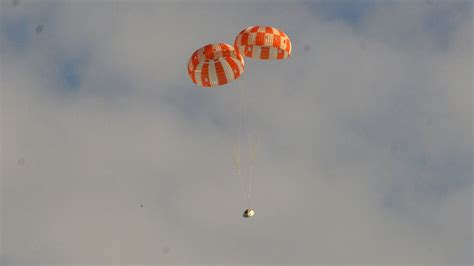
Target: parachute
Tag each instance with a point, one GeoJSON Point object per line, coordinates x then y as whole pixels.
{"type": "Point", "coordinates": [215, 65]}
{"type": "Point", "coordinates": [263, 42]}
{"type": "Point", "coordinates": [218, 64]}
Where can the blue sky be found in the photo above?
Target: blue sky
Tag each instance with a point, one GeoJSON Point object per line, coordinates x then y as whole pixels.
{"type": "Point", "coordinates": [364, 154]}
{"type": "Point", "coordinates": [350, 12]}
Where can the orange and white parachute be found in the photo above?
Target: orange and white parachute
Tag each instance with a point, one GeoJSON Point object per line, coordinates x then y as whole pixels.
{"type": "Point", "coordinates": [215, 65]}
{"type": "Point", "coordinates": [220, 63]}
{"type": "Point", "coordinates": [263, 42]}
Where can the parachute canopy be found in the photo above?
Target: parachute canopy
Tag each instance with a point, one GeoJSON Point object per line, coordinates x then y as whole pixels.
{"type": "Point", "coordinates": [263, 42]}
{"type": "Point", "coordinates": [215, 65]}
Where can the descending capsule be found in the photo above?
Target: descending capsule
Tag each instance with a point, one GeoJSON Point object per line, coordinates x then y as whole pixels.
{"type": "Point", "coordinates": [215, 64]}
{"type": "Point", "coordinates": [248, 213]}
{"type": "Point", "coordinates": [263, 42]}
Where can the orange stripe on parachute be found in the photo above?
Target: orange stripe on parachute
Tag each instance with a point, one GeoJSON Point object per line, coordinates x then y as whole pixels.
{"type": "Point", "coordinates": [200, 59]}
{"type": "Point", "coordinates": [271, 37]}
{"type": "Point", "coordinates": [265, 52]}
{"type": "Point", "coordinates": [221, 79]}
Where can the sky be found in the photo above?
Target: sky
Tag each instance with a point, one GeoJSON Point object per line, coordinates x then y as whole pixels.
{"type": "Point", "coordinates": [110, 154]}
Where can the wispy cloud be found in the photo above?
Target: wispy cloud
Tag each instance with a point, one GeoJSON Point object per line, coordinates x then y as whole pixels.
{"type": "Point", "coordinates": [110, 153]}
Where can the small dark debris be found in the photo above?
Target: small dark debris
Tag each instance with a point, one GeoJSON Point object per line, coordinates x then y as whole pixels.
{"type": "Point", "coordinates": [21, 161]}
{"type": "Point", "coordinates": [306, 48]}
{"type": "Point", "coordinates": [39, 28]}
{"type": "Point", "coordinates": [15, 2]}
{"type": "Point", "coordinates": [166, 250]}
{"type": "Point", "coordinates": [141, 205]}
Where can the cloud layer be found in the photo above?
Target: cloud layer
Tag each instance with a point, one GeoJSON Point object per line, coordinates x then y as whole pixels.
{"type": "Point", "coordinates": [110, 154]}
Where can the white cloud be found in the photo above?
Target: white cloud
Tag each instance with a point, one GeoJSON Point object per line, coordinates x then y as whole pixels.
{"type": "Point", "coordinates": [364, 156]}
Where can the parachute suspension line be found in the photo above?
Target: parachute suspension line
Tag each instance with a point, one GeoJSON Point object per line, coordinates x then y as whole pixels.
{"type": "Point", "coordinates": [244, 137]}
{"type": "Point", "coordinates": [237, 155]}
{"type": "Point", "coordinates": [236, 158]}
{"type": "Point", "coordinates": [252, 144]}
{"type": "Point", "coordinates": [251, 150]}
{"type": "Point", "coordinates": [253, 157]}
{"type": "Point", "coordinates": [245, 124]}
{"type": "Point", "coordinates": [249, 180]}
